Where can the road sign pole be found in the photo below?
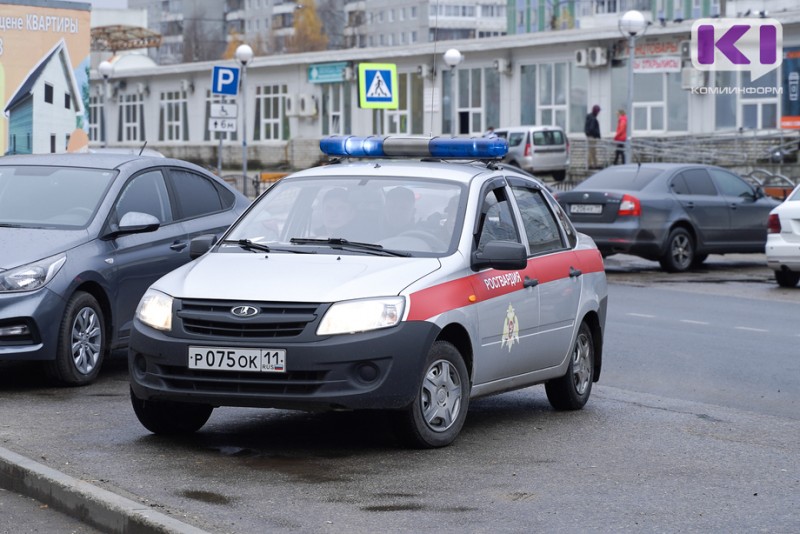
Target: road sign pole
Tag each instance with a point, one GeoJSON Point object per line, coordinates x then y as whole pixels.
{"type": "Point", "coordinates": [244, 128]}
{"type": "Point", "coordinates": [219, 150]}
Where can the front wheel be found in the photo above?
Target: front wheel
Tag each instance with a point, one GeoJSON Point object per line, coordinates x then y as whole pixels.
{"type": "Point", "coordinates": [170, 418]}
{"type": "Point", "coordinates": [559, 176]}
{"type": "Point", "coordinates": [571, 391]}
{"type": "Point", "coordinates": [680, 252]}
{"type": "Point", "coordinates": [438, 412]}
{"type": "Point", "coordinates": [787, 278]}
{"type": "Point", "coordinates": [82, 343]}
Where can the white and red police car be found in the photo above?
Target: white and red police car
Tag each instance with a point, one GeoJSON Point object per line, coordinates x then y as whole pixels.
{"type": "Point", "coordinates": [409, 275]}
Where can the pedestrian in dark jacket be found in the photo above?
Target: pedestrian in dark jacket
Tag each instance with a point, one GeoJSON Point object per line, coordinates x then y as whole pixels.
{"type": "Point", "coordinates": [592, 131]}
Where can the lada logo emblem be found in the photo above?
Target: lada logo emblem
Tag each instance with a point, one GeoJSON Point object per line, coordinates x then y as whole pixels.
{"type": "Point", "coordinates": [244, 311]}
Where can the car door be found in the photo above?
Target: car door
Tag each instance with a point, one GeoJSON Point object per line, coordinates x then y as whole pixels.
{"type": "Point", "coordinates": [142, 258]}
{"type": "Point", "coordinates": [200, 204]}
{"type": "Point", "coordinates": [508, 306]}
{"type": "Point", "coordinates": [704, 206]}
{"type": "Point", "coordinates": [553, 265]}
{"type": "Point", "coordinates": [748, 213]}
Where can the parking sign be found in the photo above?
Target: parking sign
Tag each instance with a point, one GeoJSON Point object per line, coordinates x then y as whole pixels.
{"type": "Point", "coordinates": [225, 81]}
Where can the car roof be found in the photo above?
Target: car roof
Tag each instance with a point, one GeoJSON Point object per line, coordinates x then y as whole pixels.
{"type": "Point", "coordinates": [104, 160]}
{"type": "Point", "coordinates": [527, 128]}
{"type": "Point", "coordinates": [441, 170]}
{"type": "Point", "coordinates": [663, 166]}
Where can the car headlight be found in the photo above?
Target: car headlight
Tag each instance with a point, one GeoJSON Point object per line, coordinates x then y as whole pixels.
{"type": "Point", "coordinates": [32, 276]}
{"type": "Point", "coordinates": [155, 310]}
{"type": "Point", "coordinates": [361, 315]}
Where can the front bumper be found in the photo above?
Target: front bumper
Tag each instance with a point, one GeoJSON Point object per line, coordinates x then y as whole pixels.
{"type": "Point", "coordinates": [379, 369]}
{"type": "Point", "coordinates": [29, 324]}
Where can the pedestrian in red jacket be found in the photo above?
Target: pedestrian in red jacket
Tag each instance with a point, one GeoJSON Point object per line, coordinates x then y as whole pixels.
{"type": "Point", "coordinates": [621, 136]}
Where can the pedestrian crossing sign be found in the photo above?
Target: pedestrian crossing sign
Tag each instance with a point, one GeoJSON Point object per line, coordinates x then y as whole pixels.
{"type": "Point", "coordinates": [377, 85]}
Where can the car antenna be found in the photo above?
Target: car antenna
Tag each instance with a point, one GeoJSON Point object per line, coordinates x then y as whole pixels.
{"type": "Point", "coordinates": [142, 149]}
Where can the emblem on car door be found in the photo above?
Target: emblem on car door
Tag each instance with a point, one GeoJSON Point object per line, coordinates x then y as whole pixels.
{"type": "Point", "coordinates": [244, 311]}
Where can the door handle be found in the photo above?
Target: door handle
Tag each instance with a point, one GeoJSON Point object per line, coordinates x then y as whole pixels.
{"type": "Point", "coordinates": [690, 205]}
{"type": "Point", "coordinates": [530, 282]}
{"type": "Point", "coordinates": [178, 246]}
{"type": "Point", "coordinates": [573, 272]}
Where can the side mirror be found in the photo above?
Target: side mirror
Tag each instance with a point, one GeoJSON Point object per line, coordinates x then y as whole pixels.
{"type": "Point", "coordinates": [134, 222]}
{"type": "Point", "coordinates": [201, 244]}
{"type": "Point", "coordinates": [502, 255]}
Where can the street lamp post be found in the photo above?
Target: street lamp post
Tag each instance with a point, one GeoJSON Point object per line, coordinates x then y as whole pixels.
{"type": "Point", "coordinates": [106, 69]}
{"type": "Point", "coordinates": [244, 54]}
{"type": "Point", "coordinates": [632, 25]}
{"type": "Point", "coordinates": [453, 58]}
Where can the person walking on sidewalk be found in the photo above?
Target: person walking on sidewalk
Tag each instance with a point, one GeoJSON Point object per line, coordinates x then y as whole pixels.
{"type": "Point", "coordinates": [621, 136]}
{"type": "Point", "coordinates": [592, 131]}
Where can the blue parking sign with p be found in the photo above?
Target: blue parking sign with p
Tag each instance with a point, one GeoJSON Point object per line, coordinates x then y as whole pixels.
{"type": "Point", "coordinates": [225, 81]}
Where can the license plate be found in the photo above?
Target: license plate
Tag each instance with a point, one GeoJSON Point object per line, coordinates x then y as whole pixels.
{"type": "Point", "coordinates": [237, 359]}
{"type": "Point", "coordinates": [592, 209]}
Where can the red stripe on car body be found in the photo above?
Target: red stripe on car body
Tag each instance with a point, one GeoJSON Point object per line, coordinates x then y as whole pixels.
{"type": "Point", "coordinates": [493, 283]}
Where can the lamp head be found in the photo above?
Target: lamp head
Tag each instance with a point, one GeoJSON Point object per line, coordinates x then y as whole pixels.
{"type": "Point", "coordinates": [632, 23]}
{"type": "Point", "coordinates": [244, 54]}
{"type": "Point", "coordinates": [453, 57]}
{"type": "Point", "coordinates": [105, 68]}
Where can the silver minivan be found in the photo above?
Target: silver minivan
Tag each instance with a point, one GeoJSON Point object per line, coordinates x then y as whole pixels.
{"type": "Point", "coordinates": [537, 149]}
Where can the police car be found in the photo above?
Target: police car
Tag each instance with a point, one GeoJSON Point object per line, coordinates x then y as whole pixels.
{"type": "Point", "coordinates": [408, 275]}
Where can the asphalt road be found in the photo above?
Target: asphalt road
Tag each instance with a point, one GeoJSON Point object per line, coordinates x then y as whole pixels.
{"type": "Point", "coordinates": [635, 459]}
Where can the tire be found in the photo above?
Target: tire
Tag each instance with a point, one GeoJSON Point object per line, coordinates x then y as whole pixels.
{"type": "Point", "coordinates": [571, 391]}
{"type": "Point", "coordinates": [559, 176]}
{"type": "Point", "coordinates": [170, 418]}
{"type": "Point", "coordinates": [82, 342]}
{"type": "Point", "coordinates": [680, 252]}
{"type": "Point", "coordinates": [437, 414]}
{"type": "Point", "coordinates": [787, 278]}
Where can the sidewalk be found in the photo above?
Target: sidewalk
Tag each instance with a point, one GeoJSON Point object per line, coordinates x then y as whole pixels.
{"type": "Point", "coordinates": [83, 501]}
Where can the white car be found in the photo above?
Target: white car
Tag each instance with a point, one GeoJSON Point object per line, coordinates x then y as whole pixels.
{"type": "Point", "coordinates": [407, 285]}
{"type": "Point", "coordinates": [783, 240]}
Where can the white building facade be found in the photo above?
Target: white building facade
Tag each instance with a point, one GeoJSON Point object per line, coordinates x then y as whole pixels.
{"type": "Point", "coordinates": [548, 78]}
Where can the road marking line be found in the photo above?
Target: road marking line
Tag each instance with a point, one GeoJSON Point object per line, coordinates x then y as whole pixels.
{"type": "Point", "coordinates": [694, 322]}
{"type": "Point", "coordinates": [751, 329]}
{"type": "Point", "coordinates": [642, 315]}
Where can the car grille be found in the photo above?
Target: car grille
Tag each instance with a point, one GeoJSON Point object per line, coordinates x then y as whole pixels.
{"type": "Point", "coordinates": [274, 319]}
{"type": "Point", "coordinates": [290, 383]}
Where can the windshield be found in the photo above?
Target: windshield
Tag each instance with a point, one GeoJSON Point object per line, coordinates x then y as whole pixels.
{"type": "Point", "coordinates": [400, 215]}
{"type": "Point", "coordinates": [50, 197]}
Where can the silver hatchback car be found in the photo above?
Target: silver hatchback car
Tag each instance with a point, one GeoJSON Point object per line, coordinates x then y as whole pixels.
{"type": "Point", "coordinates": [537, 149]}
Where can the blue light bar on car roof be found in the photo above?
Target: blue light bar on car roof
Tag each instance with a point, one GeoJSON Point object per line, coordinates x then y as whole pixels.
{"type": "Point", "coordinates": [422, 147]}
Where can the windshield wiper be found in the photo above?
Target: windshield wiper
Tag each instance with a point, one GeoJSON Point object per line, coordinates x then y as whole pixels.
{"type": "Point", "coordinates": [339, 242]}
{"type": "Point", "coordinates": [247, 244]}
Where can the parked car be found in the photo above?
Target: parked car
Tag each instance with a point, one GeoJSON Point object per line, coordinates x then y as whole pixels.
{"type": "Point", "coordinates": [82, 237]}
{"type": "Point", "coordinates": [407, 286]}
{"type": "Point", "coordinates": [676, 214]}
{"type": "Point", "coordinates": [783, 240]}
{"type": "Point", "coordinates": [540, 150]}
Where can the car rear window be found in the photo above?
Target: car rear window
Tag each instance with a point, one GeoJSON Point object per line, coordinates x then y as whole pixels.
{"type": "Point", "coordinates": [628, 178]}
{"type": "Point", "coordinates": [548, 138]}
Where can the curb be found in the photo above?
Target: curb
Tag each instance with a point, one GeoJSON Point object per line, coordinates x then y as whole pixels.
{"type": "Point", "coordinates": [94, 506]}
